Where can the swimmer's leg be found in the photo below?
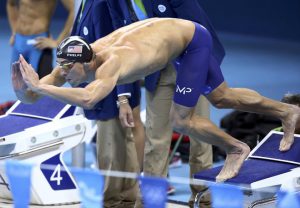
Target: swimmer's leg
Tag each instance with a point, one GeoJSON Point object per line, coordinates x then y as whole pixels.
{"type": "Point", "coordinates": [197, 74]}
{"type": "Point", "coordinates": [250, 101]}
{"type": "Point", "coordinates": [34, 58]}
{"type": "Point", "coordinates": [186, 122]}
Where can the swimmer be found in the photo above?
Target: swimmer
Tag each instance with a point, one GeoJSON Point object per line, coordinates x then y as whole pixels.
{"type": "Point", "coordinates": [30, 26]}
{"type": "Point", "coordinates": [139, 49]}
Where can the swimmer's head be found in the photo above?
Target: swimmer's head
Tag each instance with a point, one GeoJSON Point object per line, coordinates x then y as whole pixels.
{"type": "Point", "coordinates": [74, 49]}
{"type": "Point", "coordinates": [74, 55]}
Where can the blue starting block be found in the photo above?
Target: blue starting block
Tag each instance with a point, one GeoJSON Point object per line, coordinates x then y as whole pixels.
{"type": "Point", "coordinates": [39, 134]}
{"type": "Point", "coordinates": [266, 167]}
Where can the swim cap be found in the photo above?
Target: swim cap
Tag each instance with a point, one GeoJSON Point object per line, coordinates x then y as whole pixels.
{"type": "Point", "coordinates": [75, 49]}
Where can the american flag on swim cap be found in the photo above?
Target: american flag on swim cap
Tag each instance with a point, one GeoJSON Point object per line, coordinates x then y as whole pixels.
{"type": "Point", "coordinates": [74, 49]}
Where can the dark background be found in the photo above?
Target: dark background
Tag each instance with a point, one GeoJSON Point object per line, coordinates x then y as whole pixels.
{"type": "Point", "coordinates": [271, 18]}
{"type": "Point", "coordinates": [267, 18]}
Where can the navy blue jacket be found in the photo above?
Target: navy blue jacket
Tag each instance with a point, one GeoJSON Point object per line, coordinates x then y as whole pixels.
{"type": "Point", "coordinates": [94, 24]}
{"type": "Point", "coordinates": [184, 9]}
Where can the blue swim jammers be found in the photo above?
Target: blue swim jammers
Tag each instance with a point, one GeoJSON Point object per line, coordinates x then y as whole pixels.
{"type": "Point", "coordinates": [198, 72]}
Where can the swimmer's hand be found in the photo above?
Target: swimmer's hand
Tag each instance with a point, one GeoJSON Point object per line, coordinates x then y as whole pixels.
{"type": "Point", "coordinates": [43, 43]}
{"type": "Point", "coordinates": [30, 77]}
{"type": "Point", "coordinates": [17, 79]}
{"type": "Point", "coordinates": [126, 115]}
{"type": "Point", "coordinates": [23, 93]}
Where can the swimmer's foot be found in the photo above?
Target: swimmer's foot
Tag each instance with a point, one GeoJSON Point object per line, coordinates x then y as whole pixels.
{"type": "Point", "coordinates": [289, 123]}
{"type": "Point", "coordinates": [233, 162]}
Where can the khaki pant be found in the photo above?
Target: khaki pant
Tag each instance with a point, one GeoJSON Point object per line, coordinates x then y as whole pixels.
{"type": "Point", "coordinates": [159, 131]}
{"type": "Point", "coordinates": [116, 151]}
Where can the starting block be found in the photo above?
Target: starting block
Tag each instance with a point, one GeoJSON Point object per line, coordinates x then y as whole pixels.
{"type": "Point", "coordinates": [39, 134]}
{"type": "Point", "coordinates": [266, 167]}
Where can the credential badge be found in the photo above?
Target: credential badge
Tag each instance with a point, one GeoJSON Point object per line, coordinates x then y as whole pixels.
{"type": "Point", "coordinates": [162, 8]}
{"type": "Point", "coordinates": [85, 31]}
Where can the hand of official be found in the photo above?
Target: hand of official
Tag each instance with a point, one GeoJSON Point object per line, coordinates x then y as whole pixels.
{"type": "Point", "coordinates": [43, 43]}
{"type": "Point", "coordinates": [125, 114]}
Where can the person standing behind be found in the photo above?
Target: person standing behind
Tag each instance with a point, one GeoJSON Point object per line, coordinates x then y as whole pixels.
{"type": "Point", "coordinates": [30, 22]}
{"type": "Point", "coordinates": [160, 87]}
{"type": "Point", "coordinates": [115, 144]}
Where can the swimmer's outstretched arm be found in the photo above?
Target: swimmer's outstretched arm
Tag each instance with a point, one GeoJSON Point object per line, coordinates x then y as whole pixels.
{"type": "Point", "coordinates": [86, 97]}
{"type": "Point", "coordinates": [23, 93]}
{"type": "Point", "coordinates": [20, 87]}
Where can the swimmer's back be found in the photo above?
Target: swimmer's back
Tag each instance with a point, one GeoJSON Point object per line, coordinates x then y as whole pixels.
{"type": "Point", "coordinates": [151, 43]}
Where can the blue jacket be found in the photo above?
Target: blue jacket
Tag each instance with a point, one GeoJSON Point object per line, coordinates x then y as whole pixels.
{"type": "Point", "coordinates": [184, 9]}
{"type": "Point", "coordinates": [94, 24]}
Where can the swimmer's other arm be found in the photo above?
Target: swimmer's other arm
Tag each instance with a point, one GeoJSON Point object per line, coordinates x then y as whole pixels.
{"type": "Point", "coordinates": [25, 94]}
{"type": "Point", "coordinates": [86, 97]}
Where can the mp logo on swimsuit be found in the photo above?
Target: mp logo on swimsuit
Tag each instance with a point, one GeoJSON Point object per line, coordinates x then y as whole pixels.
{"type": "Point", "coordinates": [183, 90]}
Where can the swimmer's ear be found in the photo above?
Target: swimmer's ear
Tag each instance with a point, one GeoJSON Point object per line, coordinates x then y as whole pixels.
{"type": "Point", "coordinates": [93, 59]}
{"type": "Point", "coordinates": [94, 56]}
{"type": "Point", "coordinates": [85, 66]}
